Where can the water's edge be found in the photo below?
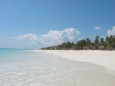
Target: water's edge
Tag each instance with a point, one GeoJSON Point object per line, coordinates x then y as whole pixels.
{"type": "Point", "coordinates": [35, 68]}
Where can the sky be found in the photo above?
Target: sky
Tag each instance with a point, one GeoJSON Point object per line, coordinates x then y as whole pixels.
{"type": "Point", "coordinates": [40, 23]}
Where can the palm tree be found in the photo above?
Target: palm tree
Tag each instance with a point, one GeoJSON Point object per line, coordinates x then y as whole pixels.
{"type": "Point", "coordinates": [102, 43]}
{"type": "Point", "coordinates": [97, 42]}
{"type": "Point", "coordinates": [88, 43]}
{"type": "Point", "coordinates": [113, 42]}
{"type": "Point", "coordinates": [108, 43]}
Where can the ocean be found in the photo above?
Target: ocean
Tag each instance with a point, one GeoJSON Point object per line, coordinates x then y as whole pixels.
{"type": "Point", "coordinates": [35, 68]}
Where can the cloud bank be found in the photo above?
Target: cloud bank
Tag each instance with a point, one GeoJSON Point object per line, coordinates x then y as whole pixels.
{"type": "Point", "coordinates": [111, 32]}
{"type": "Point", "coordinates": [53, 37]}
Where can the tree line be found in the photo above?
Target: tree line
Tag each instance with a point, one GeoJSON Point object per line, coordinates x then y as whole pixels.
{"type": "Point", "coordinates": [107, 43]}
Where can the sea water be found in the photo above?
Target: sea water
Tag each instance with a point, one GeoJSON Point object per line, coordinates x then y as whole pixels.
{"type": "Point", "coordinates": [36, 68]}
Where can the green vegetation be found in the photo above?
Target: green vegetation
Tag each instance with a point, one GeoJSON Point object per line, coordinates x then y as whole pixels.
{"type": "Point", "coordinates": [107, 43]}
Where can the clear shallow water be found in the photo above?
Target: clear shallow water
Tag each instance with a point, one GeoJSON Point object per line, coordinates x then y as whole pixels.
{"type": "Point", "coordinates": [35, 68]}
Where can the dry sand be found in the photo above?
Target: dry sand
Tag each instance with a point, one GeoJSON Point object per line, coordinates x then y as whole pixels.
{"type": "Point", "coordinates": [88, 68]}
{"type": "Point", "coordinates": [102, 58]}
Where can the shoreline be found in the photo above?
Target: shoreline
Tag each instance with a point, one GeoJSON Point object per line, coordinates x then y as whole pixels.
{"type": "Point", "coordinates": [36, 67]}
{"type": "Point", "coordinates": [99, 57]}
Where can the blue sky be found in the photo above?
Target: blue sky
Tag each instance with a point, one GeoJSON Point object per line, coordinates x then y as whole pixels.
{"type": "Point", "coordinates": [38, 17]}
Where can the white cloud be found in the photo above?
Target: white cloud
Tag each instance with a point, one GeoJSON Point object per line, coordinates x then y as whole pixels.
{"type": "Point", "coordinates": [97, 28]}
{"type": "Point", "coordinates": [29, 36]}
{"type": "Point", "coordinates": [111, 32]}
{"type": "Point", "coordinates": [53, 37]}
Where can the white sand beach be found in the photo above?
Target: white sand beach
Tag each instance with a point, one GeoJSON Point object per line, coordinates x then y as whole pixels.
{"type": "Point", "coordinates": [98, 75]}
{"type": "Point", "coordinates": [102, 58]}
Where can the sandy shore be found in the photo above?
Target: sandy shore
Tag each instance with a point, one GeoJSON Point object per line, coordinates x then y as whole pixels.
{"type": "Point", "coordinates": [102, 58]}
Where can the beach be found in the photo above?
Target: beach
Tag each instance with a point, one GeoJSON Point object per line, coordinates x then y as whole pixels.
{"type": "Point", "coordinates": [49, 68]}
{"type": "Point", "coordinates": [99, 57]}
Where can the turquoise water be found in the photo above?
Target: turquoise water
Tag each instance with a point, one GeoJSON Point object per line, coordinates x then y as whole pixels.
{"type": "Point", "coordinates": [36, 68]}
{"type": "Point", "coordinates": [5, 52]}
{"type": "Point", "coordinates": [11, 54]}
